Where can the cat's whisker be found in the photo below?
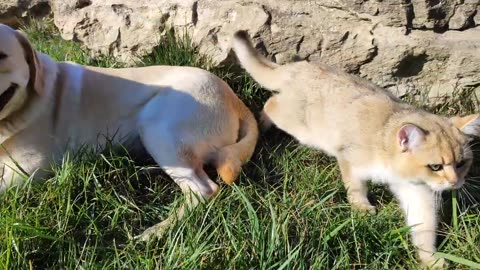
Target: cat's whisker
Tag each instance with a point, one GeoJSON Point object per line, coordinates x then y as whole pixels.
{"type": "Point", "coordinates": [471, 147]}
{"type": "Point", "coordinates": [471, 186]}
{"type": "Point", "coordinates": [466, 192]}
{"type": "Point", "coordinates": [462, 197]}
{"type": "Point", "coordinates": [470, 197]}
{"type": "Point", "coordinates": [473, 183]}
{"type": "Point", "coordinates": [470, 192]}
{"type": "Point", "coordinates": [474, 143]}
{"type": "Point", "coordinates": [473, 200]}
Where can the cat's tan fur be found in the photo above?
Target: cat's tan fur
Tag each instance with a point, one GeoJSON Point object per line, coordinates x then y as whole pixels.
{"type": "Point", "coordinates": [372, 134]}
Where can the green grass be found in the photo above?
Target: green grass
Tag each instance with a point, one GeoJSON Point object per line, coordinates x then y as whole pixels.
{"type": "Point", "coordinates": [288, 210]}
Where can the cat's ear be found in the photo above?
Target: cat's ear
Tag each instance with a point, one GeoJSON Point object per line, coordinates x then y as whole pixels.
{"type": "Point", "coordinates": [469, 124]}
{"type": "Point", "coordinates": [410, 137]}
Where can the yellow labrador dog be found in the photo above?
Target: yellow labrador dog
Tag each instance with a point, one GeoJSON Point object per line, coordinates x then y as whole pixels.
{"type": "Point", "coordinates": [184, 117]}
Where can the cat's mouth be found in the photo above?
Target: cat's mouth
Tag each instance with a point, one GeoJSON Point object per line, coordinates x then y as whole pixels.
{"type": "Point", "coordinates": [6, 96]}
{"type": "Point", "coordinates": [439, 187]}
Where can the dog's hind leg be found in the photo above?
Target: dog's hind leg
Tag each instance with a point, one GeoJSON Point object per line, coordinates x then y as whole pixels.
{"type": "Point", "coordinates": [181, 164]}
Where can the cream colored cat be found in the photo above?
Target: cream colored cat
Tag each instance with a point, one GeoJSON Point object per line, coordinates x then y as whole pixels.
{"type": "Point", "coordinates": [372, 134]}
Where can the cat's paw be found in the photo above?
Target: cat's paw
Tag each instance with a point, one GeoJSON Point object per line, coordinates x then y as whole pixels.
{"type": "Point", "coordinates": [436, 264]}
{"type": "Point", "coordinates": [430, 262]}
{"type": "Point", "coordinates": [364, 208]}
{"type": "Point", "coordinates": [361, 204]}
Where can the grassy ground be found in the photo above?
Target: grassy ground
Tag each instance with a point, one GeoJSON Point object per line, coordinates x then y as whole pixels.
{"type": "Point", "coordinates": [287, 211]}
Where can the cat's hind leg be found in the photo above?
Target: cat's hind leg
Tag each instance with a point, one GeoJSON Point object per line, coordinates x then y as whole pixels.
{"type": "Point", "coordinates": [265, 121]}
{"type": "Point", "coordinates": [286, 113]}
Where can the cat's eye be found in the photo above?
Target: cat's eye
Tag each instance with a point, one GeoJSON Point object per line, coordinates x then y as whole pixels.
{"type": "Point", "coordinates": [435, 167]}
{"type": "Point", "coordinates": [460, 164]}
{"type": "Point", "coordinates": [2, 56]}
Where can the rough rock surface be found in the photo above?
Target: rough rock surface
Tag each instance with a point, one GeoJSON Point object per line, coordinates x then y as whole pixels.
{"type": "Point", "coordinates": [13, 12]}
{"type": "Point", "coordinates": [403, 45]}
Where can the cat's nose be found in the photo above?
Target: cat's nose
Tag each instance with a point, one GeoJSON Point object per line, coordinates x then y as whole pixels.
{"type": "Point", "coordinates": [452, 180]}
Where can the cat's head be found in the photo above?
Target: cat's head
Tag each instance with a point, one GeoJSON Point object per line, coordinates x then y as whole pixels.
{"type": "Point", "coordinates": [436, 150]}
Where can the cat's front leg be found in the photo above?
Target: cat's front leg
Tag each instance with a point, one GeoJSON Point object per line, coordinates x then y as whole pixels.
{"type": "Point", "coordinates": [356, 189]}
{"type": "Point", "coordinates": [419, 204]}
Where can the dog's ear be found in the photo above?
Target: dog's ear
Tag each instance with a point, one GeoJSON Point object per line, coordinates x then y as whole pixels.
{"type": "Point", "coordinates": [36, 81]}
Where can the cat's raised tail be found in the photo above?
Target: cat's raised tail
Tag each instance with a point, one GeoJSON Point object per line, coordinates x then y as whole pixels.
{"type": "Point", "coordinates": [264, 71]}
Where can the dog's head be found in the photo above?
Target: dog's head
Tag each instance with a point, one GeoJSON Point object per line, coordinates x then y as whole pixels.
{"type": "Point", "coordinates": [20, 71]}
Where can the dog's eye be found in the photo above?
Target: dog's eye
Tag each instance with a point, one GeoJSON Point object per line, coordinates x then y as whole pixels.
{"type": "Point", "coordinates": [461, 163]}
{"type": "Point", "coordinates": [7, 95]}
{"type": "Point", "coordinates": [435, 167]}
{"type": "Point", "coordinates": [2, 56]}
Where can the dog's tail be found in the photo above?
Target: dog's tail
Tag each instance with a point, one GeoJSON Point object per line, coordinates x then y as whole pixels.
{"type": "Point", "coordinates": [229, 159]}
{"type": "Point", "coordinates": [265, 72]}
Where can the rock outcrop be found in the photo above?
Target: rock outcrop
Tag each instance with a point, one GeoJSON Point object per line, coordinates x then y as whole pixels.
{"type": "Point", "coordinates": [403, 45]}
{"type": "Point", "coordinates": [14, 12]}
